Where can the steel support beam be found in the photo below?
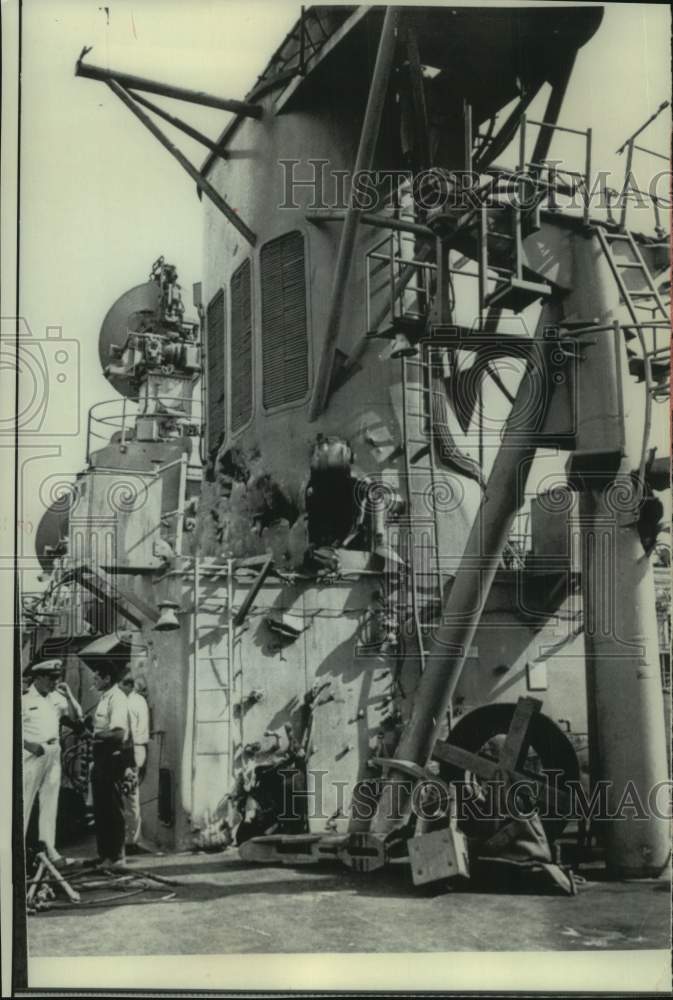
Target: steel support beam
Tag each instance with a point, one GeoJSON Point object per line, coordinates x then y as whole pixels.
{"type": "Point", "coordinates": [502, 139]}
{"type": "Point", "coordinates": [201, 183]}
{"type": "Point", "coordinates": [551, 116]}
{"type": "Point", "coordinates": [363, 161]}
{"type": "Point", "coordinates": [417, 88]}
{"type": "Point", "coordinates": [462, 608]}
{"type": "Point", "coordinates": [193, 133]}
{"type": "Point", "coordinates": [131, 82]}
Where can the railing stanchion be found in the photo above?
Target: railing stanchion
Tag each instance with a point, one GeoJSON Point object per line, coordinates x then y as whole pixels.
{"type": "Point", "coordinates": [587, 177]}
{"type": "Point", "coordinates": [626, 185]}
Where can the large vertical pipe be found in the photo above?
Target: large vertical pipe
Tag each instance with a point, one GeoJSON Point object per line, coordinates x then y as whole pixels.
{"type": "Point", "coordinates": [450, 644]}
{"type": "Point", "coordinates": [624, 689]}
{"type": "Point", "coordinates": [363, 161]}
{"type": "Point", "coordinates": [627, 737]}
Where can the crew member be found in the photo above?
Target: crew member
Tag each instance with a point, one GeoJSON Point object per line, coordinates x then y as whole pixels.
{"type": "Point", "coordinates": [41, 713]}
{"type": "Point", "coordinates": [140, 731]}
{"type": "Point", "coordinates": [112, 755]}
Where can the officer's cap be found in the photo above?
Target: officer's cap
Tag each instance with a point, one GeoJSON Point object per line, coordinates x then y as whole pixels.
{"type": "Point", "coordinates": [53, 667]}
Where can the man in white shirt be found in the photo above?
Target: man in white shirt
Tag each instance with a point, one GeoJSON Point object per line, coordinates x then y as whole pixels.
{"type": "Point", "coordinates": [113, 755]}
{"type": "Point", "coordinates": [42, 708]}
{"type": "Point", "coordinates": [140, 731]}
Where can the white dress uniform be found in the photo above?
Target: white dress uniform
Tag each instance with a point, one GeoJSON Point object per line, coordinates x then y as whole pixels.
{"type": "Point", "coordinates": [41, 715]}
{"type": "Point", "coordinates": [139, 715]}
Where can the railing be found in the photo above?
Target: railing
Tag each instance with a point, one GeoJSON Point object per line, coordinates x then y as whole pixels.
{"type": "Point", "coordinates": [543, 181]}
{"type": "Point", "coordinates": [557, 188]}
{"type": "Point", "coordinates": [105, 419]}
{"type": "Point", "coordinates": [629, 188]}
{"type": "Point", "coordinates": [655, 355]}
{"type": "Point", "coordinates": [574, 180]}
{"type": "Point", "coordinates": [390, 267]}
{"type": "Point", "coordinates": [112, 416]}
{"type": "Point", "coordinates": [631, 193]}
{"type": "Point", "coordinates": [519, 543]}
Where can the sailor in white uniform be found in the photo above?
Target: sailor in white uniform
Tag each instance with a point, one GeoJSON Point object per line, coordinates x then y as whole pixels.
{"type": "Point", "coordinates": [42, 708]}
{"type": "Point", "coordinates": [139, 716]}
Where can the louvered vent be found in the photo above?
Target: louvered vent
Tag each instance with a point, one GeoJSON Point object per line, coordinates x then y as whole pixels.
{"type": "Point", "coordinates": [216, 353]}
{"type": "Point", "coordinates": [241, 346]}
{"type": "Point", "coordinates": [284, 334]}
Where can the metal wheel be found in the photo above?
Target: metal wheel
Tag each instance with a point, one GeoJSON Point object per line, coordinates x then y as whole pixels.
{"type": "Point", "coordinates": [546, 748]}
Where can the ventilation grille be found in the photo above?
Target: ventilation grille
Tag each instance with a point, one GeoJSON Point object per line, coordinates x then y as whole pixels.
{"type": "Point", "coordinates": [284, 334]}
{"type": "Point", "coordinates": [241, 347]}
{"type": "Point", "coordinates": [216, 352]}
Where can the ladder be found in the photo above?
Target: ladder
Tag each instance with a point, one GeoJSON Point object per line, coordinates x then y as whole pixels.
{"type": "Point", "coordinates": [421, 542]}
{"type": "Point", "coordinates": [629, 269]}
{"type": "Point", "coordinates": [212, 751]}
{"type": "Point", "coordinates": [425, 489]}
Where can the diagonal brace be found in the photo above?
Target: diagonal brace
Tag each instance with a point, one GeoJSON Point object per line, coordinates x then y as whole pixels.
{"type": "Point", "coordinates": [200, 181]}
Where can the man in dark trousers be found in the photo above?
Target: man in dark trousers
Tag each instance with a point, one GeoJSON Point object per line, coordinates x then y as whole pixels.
{"type": "Point", "coordinates": [108, 657]}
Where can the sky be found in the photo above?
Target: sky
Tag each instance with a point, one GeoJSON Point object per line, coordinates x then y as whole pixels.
{"type": "Point", "coordinates": [101, 200]}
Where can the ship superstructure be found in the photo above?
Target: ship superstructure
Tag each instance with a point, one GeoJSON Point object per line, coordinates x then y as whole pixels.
{"type": "Point", "coordinates": [429, 518]}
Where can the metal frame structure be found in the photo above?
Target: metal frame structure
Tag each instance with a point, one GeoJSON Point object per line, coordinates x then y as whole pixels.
{"type": "Point", "coordinates": [123, 85]}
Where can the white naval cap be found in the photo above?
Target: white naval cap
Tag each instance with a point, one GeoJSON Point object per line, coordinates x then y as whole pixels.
{"type": "Point", "coordinates": [46, 667]}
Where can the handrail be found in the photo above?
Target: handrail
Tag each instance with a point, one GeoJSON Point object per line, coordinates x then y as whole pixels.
{"type": "Point", "coordinates": [401, 271]}
{"type": "Point", "coordinates": [629, 188]}
{"type": "Point", "coordinates": [111, 415]}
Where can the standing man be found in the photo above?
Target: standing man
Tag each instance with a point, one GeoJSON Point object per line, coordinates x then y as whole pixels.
{"type": "Point", "coordinates": [41, 710]}
{"type": "Point", "coordinates": [140, 731]}
{"type": "Point", "coordinates": [112, 756]}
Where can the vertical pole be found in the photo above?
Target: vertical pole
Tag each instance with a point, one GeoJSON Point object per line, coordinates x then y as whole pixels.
{"type": "Point", "coordinates": [587, 177]}
{"type": "Point", "coordinates": [552, 205]}
{"type": "Point", "coordinates": [467, 118]}
{"type": "Point", "coordinates": [391, 277]}
{"type": "Point", "coordinates": [195, 680]}
{"type": "Point", "coordinates": [123, 437]}
{"type": "Point", "coordinates": [180, 515]}
{"type": "Point", "coordinates": [627, 185]}
{"type": "Point", "coordinates": [483, 261]}
{"type": "Point", "coordinates": [522, 145]}
{"type": "Point", "coordinates": [516, 233]}
{"type": "Point", "coordinates": [363, 162]}
{"type": "Point", "coordinates": [480, 426]}
{"type": "Point", "coordinates": [444, 311]}
{"type": "Point", "coordinates": [517, 207]}
{"type": "Point", "coordinates": [230, 649]}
